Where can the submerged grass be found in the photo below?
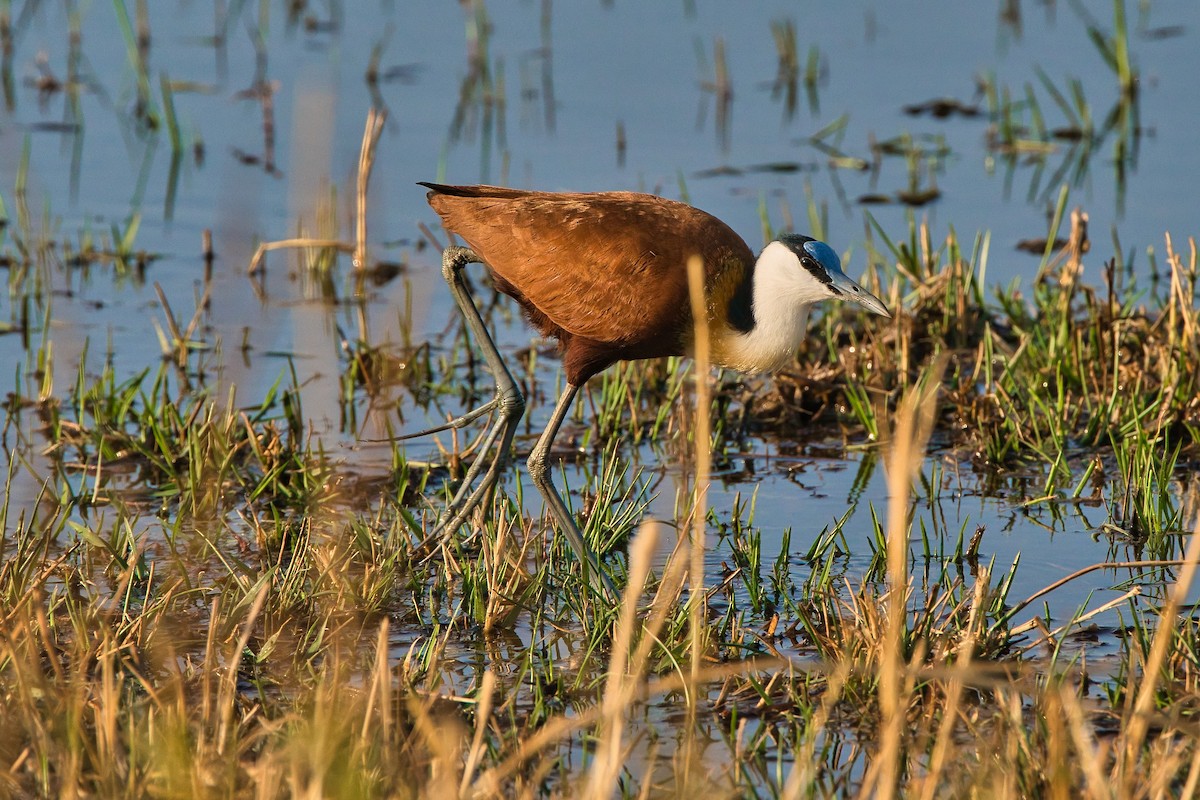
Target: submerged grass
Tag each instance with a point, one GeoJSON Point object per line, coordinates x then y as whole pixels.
{"type": "Point", "coordinates": [193, 607]}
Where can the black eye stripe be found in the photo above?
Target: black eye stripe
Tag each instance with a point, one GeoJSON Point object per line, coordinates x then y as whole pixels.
{"type": "Point", "coordinates": [816, 270]}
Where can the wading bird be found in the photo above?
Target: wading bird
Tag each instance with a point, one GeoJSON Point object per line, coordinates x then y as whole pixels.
{"type": "Point", "coordinates": [606, 275]}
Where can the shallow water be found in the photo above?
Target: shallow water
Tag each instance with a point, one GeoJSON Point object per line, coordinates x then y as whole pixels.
{"type": "Point", "coordinates": [568, 86]}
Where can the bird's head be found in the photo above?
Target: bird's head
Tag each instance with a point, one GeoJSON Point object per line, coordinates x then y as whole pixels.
{"type": "Point", "coordinates": [803, 271]}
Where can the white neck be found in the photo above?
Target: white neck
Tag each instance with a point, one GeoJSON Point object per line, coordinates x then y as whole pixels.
{"type": "Point", "coordinates": [783, 292]}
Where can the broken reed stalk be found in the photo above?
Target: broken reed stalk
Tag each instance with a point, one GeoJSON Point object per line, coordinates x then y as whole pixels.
{"type": "Point", "coordinates": [366, 160]}
{"type": "Point", "coordinates": [256, 263]}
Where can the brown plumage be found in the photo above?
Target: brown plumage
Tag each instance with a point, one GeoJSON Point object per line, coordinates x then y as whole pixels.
{"type": "Point", "coordinates": [604, 273]}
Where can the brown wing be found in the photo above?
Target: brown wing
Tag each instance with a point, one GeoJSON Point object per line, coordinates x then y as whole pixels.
{"type": "Point", "coordinates": [607, 266]}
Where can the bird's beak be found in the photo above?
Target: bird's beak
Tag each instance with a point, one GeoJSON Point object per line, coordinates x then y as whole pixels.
{"type": "Point", "coordinates": [850, 290]}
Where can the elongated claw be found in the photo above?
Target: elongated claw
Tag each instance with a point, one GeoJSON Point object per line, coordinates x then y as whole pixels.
{"type": "Point", "coordinates": [456, 423]}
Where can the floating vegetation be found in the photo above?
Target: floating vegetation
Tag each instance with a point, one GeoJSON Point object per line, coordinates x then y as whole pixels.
{"type": "Point", "coordinates": [1021, 136]}
{"type": "Point", "coordinates": [941, 108]}
{"type": "Point", "coordinates": [791, 73]}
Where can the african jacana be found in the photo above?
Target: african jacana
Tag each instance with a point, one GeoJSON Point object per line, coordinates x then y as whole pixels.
{"type": "Point", "coordinates": [606, 275]}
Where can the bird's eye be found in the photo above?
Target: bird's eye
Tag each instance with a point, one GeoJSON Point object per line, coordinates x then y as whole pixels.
{"type": "Point", "coordinates": [807, 263]}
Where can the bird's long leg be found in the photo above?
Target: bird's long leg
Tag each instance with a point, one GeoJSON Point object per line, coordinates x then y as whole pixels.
{"type": "Point", "coordinates": [508, 400]}
{"type": "Point", "coordinates": [539, 471]}
{"type": "Point", "coordinates": [454, 259]}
